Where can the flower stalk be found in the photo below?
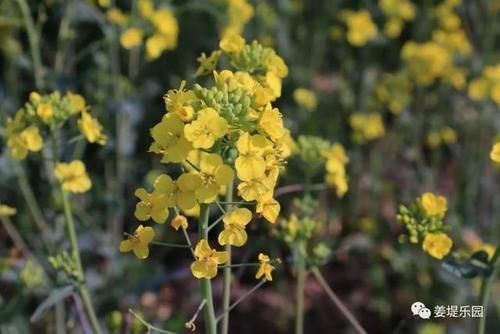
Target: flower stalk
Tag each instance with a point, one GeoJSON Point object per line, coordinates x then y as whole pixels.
{"type": "Point", "coordinates": [301, 277]}
{"type": "Point", "coordinates": [226, 295]}
{"type": "Point", "coordinates": [486, 291]}
{"type": "Point", "coordinates": [205, 284]}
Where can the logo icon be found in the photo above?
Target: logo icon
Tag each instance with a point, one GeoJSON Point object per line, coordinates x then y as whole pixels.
{"type": "Point", "coordinates": [418, 308]}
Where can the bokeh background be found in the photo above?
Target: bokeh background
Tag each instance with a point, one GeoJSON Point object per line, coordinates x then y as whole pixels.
{"type": "Point", "coordinates": [400, 84]}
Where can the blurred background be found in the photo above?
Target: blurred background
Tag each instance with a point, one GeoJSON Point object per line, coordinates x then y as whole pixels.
{"type": "Point", "coordinates": [411, 89]}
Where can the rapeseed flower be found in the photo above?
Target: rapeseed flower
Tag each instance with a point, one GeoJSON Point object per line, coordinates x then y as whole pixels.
{"type": "Point", "coordinates": [437, 245]}
{"type": "Point", "coordinates": [265, 267]}
{"type": "Point", "coordinates": [234, 227]}
{"type": "Point", "coordinates": [92, 129]}
{"type": "Point", "coordinates": [434, 205]}
{"type": "Point", "coordinates": [206, 129]}
{"type": "Point", "coordinates": [139, 242]}
{"type": "Point", "coordinates": [73, 176]}
{"type": "Point", "coordinates": [207, 260]}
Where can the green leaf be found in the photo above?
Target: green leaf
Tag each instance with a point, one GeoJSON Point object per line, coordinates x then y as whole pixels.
{"type": "Point", "coordinates": [54, 297]}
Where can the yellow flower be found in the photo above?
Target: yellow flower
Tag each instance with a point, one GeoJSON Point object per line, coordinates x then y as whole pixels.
{"type": "Point", "coordinates": [433, 204]}
{"type": "Point", "coordinates": [188, 183]}
{"type": "Point", "coordinates": [73, 176]}
{"type": "Point", "coordinates": [179, 221]}
{"type": "Point", "coordinates": [206, 129]}
{"type": "Point", "coordinates": [214, 174]}
{"type": "Point", "coordinates": [45, 112]}
{"type": "Point", "coordinates": [139, 242]}
{"type": "Point", "coordinates": [437, 245]}
{"type": "Point", "coordinates": [155, 45]}
{"type": "Point", "coordinates": [265, 267]}
{"type": "Point", "coordinates": [426, 61]}
{"type": "Point", "coordinates": [305, 98]}
{"type": "Point", "coordinates": [169, 139]}
{"type": "Point", "coordinates": [77, 101]}
{"type": "Point", "coordinates": [495, 93]}
{"type": "Point", "coordinates": [35, 97]}
{"type": "Point", "coordinates": [433, 140]}
{"type": "Point", "coordinates": [116, 16]}
{"type": "Point", "coordinates": [7, 211]}
{"type": "Point", "coordinates": [234, 227]}
{"type": "Point", "coordinates": [268, 207]}
{"type": "Point", "coordinates": [166, 24]}
{"type": "Point", "coordinates": [360, 27]}
{"type": "Point", "coordinates": [146, 8]}
{"type": "Point", "coordinates": [232, 43]}
{"type": "Point", "coordinates": [271, 122]}
{"type": "Point", "coordinates": [277, 65]}
{"type": "Point", "coordinates": [131, 38]}
{"type": "Point", "coordinates": [448, 135]}
{"type": "Point", "coordinates": [92, 129]}
{"type": "Point", "coordinates": [478, 89]}
{"type": "Point", "coordinates": [207, 260]}
{"type": "Point", "coordinates": [27, 140]}
{"type": "Point", "coordinates": [336, 175]}
{"type": "Point", "coordinates": [155, 205]}
{"type": "Point", "coordinates": [253, 189]}
{"type": "Point", "coordinates": [250, 161]}
{"type": "Point", "coordinates": [495, 153]}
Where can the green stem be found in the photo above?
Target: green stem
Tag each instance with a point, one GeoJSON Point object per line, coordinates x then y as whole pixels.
{"type": "Point", "coordinates": [34, 42]}
{"type": "Point", "coordinates": [242, 298]}
{"type": "Point", "coordinates": [205, 285]}
{"type": "Point", "coordinates": [486, 289]}
{"type": "Point", "coordinates": [33, 207]}
{"type": "Point", "coordinates": [75, 252]}
{"type": "Point", "coordinates": [169, 244]}
{"type": "Point", "coordinates": [150, 327]}
{"type": "Point", "coordinates": [301, 277]}
{"type": "Point", "coordinates": [336, 300]}
{"type": "Point", "coordinates": [226, 292]}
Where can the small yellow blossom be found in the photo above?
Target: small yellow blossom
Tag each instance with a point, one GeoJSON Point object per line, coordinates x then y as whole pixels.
{"type": "Point", "coordinates": [250, 162]}
{"type": "Point", "coordinates": [495, 153]}
{"type": "Point", "coordinates": [146, 8]}
{"type": "Point", "coordinates": [77, 101]}
{"type": "Point", "coordinates": [271, 122]}
{"type": "Point", "coordinates": [265, 267]}
{"type": "Point", "coordinates": [253, 189]}
{"type": "Point", "coordinates": [116, 16]}
{"type": "Point", "coordinates": [437, 245]}
{"type": "Point", "coordinates": [92, 129]}
{"type": "Point", "coordinates": [234, 227]}
{"type": "Point", "coordinates": [268, 207]}
{"type": "Point", "coordinates": [232, 43]}
{"type": "Point", "coordinates": [155, 205]}
{"type": "Point", "coordinates": [35, 97]}
{"type": "Point", "coordinates": [45, 112]}
{"type": "Point", "coordinates": [179, 221]}
{"type": "Point", "coordinates": [433, 204]}
{"type": "Point", "coordinates": [7, 211]}
{"type": "Point", "coordinates": [207, 260]}
{"type": "Point", "coordinates": [206, 129]}
{"type": "Point", "coordinates": [214, 174]}
{"type": "Point", "coordinates": [139, 242]}
{"type": "Point", "coordinates": [27, 140]}
{"type": "Point", "coordinates": [131, 38]}
{"type": "Point", "coordinates": [360, 27]}
{"type": "Point", "coordinates": [188, 183]}
{"type": "Point", "coordinates": [169, 139]}
{"type": "Point", "coordinates": [305, 98]}
{"type": "Point", "coordinates": [73, 176]}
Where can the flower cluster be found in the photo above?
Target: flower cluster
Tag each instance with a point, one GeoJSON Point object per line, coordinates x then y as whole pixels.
{"type": "Point", "coordinates": [158, 26]}
{"type": "Point", "coordinates": [42, 115]}
{"type": "Point", "coordinates": [367, 127]}
{"type": "Point", "coordinates": [394, 92]}
{"type": "Point", "coordinates": [360, 26]}
{"type": "Point", "coordinates": [397, 12]}
{"type": "Point", "coordinates": [424, 223]}
{"type": "Point", "coordinates": [486, 86]}
{"type": "Point", "coordinates": [443, 136]}
{"type": "Point", "coordinates": [219, 135]}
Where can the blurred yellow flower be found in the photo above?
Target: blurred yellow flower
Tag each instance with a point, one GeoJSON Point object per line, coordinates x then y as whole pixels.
{"type": "Point", "coordinates": [131, 38]}
{"type": "Point", "coordinates": [305, 98]}
{"type": "Point", "coordinates": [73, 176]}
{"type": "Point", "coordinates": [45, 112]}
{"type": "Point", "coordinates": [7, 211]}
{"type": "Point", "coordinates": [139, 242]}
{"type": "Point", "coordinates": [234, 232]}
{"type": "Point", "coordinates": [232, 42]}
{"type": "Point", "coordinates": [116, 16]}
{"type": "Point", "coordinates": [495, 153]}
{"type": "Point", "coordinates": [207, 260]}
{"type": "Point", "coordinates": [434, 205]}
{"type": "Point", "coordinates": [92, 129]}
{"type": "Point", "coordinates": [27, 140]}
{"type": "Point", "coordinates": [437, 245]}
{"type": "Point", "coordinates": [367, 127]}
{"type": "Point", "coordinates": [77, 101]}
{"type": "Point", "coordinates": [360, 27]}
{"type": "Point", "coordinates": [265, 267]}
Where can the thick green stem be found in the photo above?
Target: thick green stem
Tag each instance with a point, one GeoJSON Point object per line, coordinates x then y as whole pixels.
{"type": "Point", "coordinates": [34, 42]}
{"type": "Point", "coordinates": [301, 277]}
{"type": "Point", "coordinates": [226, 296]}
{"type": "Point", "coordinates": [486, 291]}
{"type": "Point", "coordinates": [205, 285]}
